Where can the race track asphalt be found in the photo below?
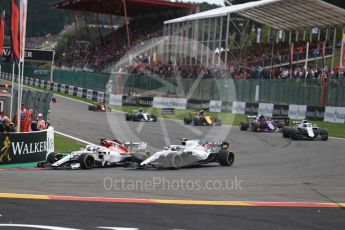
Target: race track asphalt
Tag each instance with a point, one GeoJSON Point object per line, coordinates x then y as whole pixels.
{"type": "Point", "coordinates": [267, 168]}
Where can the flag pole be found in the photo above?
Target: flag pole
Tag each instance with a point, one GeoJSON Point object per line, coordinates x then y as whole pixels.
{"type": "Point", "coordinates": [12, 89]}
{"type": "Point", "coordinates": [19, 98]}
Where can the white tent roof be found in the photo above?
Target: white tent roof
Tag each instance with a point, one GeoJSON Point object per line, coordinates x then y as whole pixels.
{"type": "Point", "coordinates": [279, 14]}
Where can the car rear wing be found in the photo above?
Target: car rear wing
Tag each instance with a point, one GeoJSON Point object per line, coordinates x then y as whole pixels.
{"type": "Point", "coordinates": [135, 145]}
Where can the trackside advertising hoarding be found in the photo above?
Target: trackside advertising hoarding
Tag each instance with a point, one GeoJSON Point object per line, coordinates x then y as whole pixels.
{"type": "Point", "coordinates": [164, 102]}
{"type": "Point", "coordinates": [335, 114]}
{"type": "Point", "coordinates": [16, 148]}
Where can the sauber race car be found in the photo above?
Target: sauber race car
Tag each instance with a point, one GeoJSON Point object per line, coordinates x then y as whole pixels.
{"type": "Point", "coordinates": [139, 115]}
{"type": "Point", "coordinates": [99, 106]}
{"type": "Point", "coordinates": [305, 131]}
{"type": "Point", "coordinates": [108, 153]}
{"type": "Point", "coordinates": [264, 124]}
{"type": "Point", "coordinates": [201, 118]}
{"type": "Point", "coordinates": [189, 153]}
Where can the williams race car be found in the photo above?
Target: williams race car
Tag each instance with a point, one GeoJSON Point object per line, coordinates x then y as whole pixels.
{"type": "Point", "coordinates": [139, 115]}
{"type": "Point", "coordinates": [189, 153]}
{"type": "Point", "coordinates": [99, 107]}
{"type": "Point", "coordinates": [201, 118]}
{"type": "Point", "coordinates": [264, 124]}
{"type": "Point", "coordinates": [109, 153]}
{"type": "Point", "coordinates": [305, 131]}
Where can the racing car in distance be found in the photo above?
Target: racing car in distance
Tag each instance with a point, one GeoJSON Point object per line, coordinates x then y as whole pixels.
{"type": "Point", "coordinates": [305, 131]}
{"type": "Point", "coordinates": [264, 124]}
{"type": "Point", "coordinates": [108, 153]}
{"type": "Point", "coordinates": [5, 85]}
{"type": "Point", "coordinates": [201, 118]}
{"type": "Point", "coordinates": [189, 153]}
{"type": "Point", "coordinates": [140, 115]}
{"type": "Point", "coordinates": [99, 106]}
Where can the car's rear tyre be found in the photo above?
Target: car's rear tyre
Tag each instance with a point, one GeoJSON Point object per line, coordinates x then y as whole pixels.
{"type": "Point", "coordinates": [187, 120]}
{"type": "Point", "coordinates": [286, 132]}
{"type": "Point", "coordinates": [176, 162]}
{"type": "Point", "coordinates": [154, 118]}
{"type": "Point", "coordinates": [217, 122]}
{"type": "Point", "coordinates": [244, 125]}
{"type": "Point", "coordinates": [225, 158]}
{"type": "Point", "coordinates": [255, 126]}
{"type": "Point", "coordinates": [90, 107]}
{"type": "Point", "coordinates": [53, 157]}
{"type": "Point", "coordinates": [87, 161]}
{"type": "Point", "coordinates": [294, 134]}
{"type": "Point", "coordinates": [129, 117]}
{"type": "Point", "coordinates": [324, 134]}
{"type": "Point", "coordinates": [197, 121]}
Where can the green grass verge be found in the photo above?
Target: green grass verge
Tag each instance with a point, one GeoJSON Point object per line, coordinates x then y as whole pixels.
{"type": "Point", "coordinates": [66, 145]}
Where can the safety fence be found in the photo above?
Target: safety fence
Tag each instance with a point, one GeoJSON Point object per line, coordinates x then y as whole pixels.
{"type": "Point", "coordinates": [83, 79]}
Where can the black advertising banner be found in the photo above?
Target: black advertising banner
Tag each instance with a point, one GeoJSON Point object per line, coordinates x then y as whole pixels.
{"type": "Point", "coordinates": [18, 148]}
{"type": "Point", "coordinates": [137, 101]}
{"type": "Point", "coordinates": [31, 54]}
{"type": "Point", "coordinates": [198, 104]}
{"type": "Point", "coordinates": [280, 110]}
{"type": "Point", "coordinates": [315, 113]}
{"type": "Point", "coordinates": [252, 109]}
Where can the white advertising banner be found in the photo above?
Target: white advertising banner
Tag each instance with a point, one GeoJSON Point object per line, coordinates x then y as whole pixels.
{"type": "Point", "coordinates": [80, 92]}
{"type": "Point", "coordinates": [115, 99]}
{"type": "Point", "coordinates": [164, 102]}
{"type": "Point", "coordinates": [215, 106]}
{"type": "Point", "coordinates": [70, 90]}
{"type": "Point", "coordinates": [335, 114]}
{"type": "Point", "coordinates": [238, 107]}
{"type": "Point", "coordinates": [266, 109]}
{"type": "Point", "coordinates": [89, 94]}
{"type": "Point", "coordinates": [100, 96]}
{"type": "Point", "coordinates": [297, 112]}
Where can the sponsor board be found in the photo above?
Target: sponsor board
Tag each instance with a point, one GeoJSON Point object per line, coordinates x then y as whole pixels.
{"type": "Point", "coordinates": [215, 106]}
{"type": "Point", "coordinates": [238, 107]}
{"type": "Point", "coordinates": [89, 94]}
{"type": "Point", "coordinates": [63, 88]}
{"type": "Point", "coordinates": [70, 90]}
{"type": "Point", "coordinates": [266, 109]}
{"type": "Point", "coordinates": [297, 112]}
{"type": "Point", "coordinates": [164, 102]}
{"type": "Point", "coordinates": [55, 87]}
{"type": "Point", "coordinates": [167, 111]}
{"type": "Point", "coordinates": [26, 147]}
{"type": "Point", "coordinates": [80, 92]}
{"type": "Point", "coordinates": [26, 80]}
{"type": "Point", "coordinates": [31, 81]}
{"type": "Point", "coordinates": [252, 109]}
{"type": "Point", "coordinates": [115, 99]}
{"type": "Point", "coordinates": [37, 82]}
{"type": "Point", "coordinates": [280, 110]}
{"type": "Point", "coordinates": [227, 107]}
{"type": "Point", "coordinates": [315, 113]}
{"type": "Point", "coordinates": [198, 104]}
{"type": "Point", "coordinates": [335, 114]}
{"type": "Point", "coordinates": [100, 96]}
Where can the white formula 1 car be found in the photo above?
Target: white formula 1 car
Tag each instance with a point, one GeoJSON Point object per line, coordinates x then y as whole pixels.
{"type": "Point", "coordinates": [305, 131]}
{"type": "Point", "coordinates": [191, 152]}
{"type": "Point", "coordinates": [139, 115]}
{"type": "Point", "coordinates": [109, 153]}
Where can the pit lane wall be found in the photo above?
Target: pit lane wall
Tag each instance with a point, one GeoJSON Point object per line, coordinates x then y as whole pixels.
{"type": "Point", "coordinates": [298, 112]}
{"type": "Point", "coordinates": [18, 148]}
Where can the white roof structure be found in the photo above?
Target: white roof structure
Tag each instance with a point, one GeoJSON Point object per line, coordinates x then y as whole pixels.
{"type": "Point", "coordinates": [279, 14]}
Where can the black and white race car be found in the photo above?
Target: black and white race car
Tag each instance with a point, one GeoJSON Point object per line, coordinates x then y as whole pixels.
{"type": "Point", "coordinates": [108, 153]}
{"type": "Point", "coordinates": [189, 153]}
{"type": "Point", "coordinates": [305, 131]}
{"type": "Point", "coordinates": [139, 115]}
